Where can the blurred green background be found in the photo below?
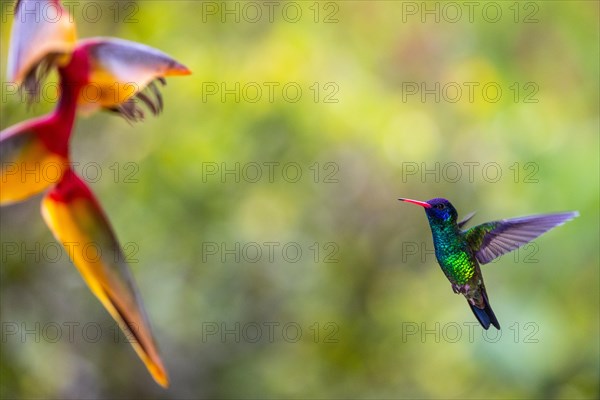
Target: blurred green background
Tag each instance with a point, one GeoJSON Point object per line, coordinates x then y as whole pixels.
{"type": "Point", "coordinates": [363, 311]}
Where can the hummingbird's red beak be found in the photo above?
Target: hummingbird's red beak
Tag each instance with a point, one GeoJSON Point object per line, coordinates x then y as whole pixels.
{"type": "Point", "coordinates": [417, 202]}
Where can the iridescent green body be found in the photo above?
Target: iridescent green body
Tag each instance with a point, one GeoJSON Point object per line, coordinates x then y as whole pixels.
{"type": "Point", "coordinates": [453, 252]}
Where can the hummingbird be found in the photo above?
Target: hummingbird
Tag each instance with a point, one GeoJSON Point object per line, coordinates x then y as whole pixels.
{"type": "Point", "coordinates": [460, 252]}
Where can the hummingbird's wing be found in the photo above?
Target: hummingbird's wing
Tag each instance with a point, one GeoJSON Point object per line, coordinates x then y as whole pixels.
{"type": "Point", "coordinates": [77, 221]}
{"type": "Point", "coordinates": [492, 239]}
{"type": "Point", "coordinates": [466, 219]}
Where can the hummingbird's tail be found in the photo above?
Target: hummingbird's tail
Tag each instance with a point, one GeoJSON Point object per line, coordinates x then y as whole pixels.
{"type": "Point", "coordinates": [485, 315]}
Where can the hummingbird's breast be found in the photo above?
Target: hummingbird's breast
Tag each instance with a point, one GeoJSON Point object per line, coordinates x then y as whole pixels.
{"type": "Point", "coordinates": [454, 257]}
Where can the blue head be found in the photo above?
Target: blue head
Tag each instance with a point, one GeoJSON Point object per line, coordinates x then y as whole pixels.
{"type": "Point", "coordinates": [439, 211]}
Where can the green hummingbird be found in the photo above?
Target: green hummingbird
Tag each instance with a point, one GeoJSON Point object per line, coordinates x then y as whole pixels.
{"type": "Point", "coordinates": [459, 252]}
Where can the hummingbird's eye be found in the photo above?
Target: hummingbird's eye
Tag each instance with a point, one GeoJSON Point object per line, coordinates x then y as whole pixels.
{"type": "Point", "coordinates": [440, 206]}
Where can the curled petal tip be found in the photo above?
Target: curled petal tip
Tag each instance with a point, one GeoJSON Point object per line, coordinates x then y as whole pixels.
{"type": "Point", "coordinates": [178, 69]}
{"type": "Point", "coordinates": [161, 378]}
{"type": "Point", "coordinates": [156, 368]}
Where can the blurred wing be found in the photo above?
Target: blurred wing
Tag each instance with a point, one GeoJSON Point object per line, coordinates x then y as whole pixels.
{"type": "Point", "coordinates": [493, 239]}
{"type": "Point", "coordinates": [28, 164]}
{"type": "Point", "coordinates": [76, 220]}
{"type": "Point", "coordinates": [466, 219]}
{"type": "Point", "coordinates": [123, 73]}
{"type": "Point", "coordinates": [43, 32]}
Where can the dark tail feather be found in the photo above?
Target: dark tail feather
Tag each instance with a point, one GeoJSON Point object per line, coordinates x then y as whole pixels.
{"type": "Point", "coordinates": [485, 315]}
